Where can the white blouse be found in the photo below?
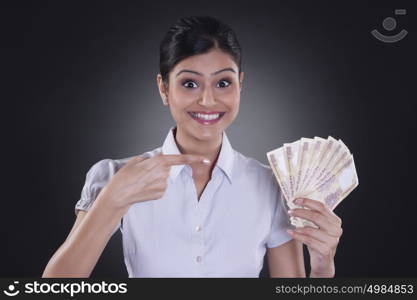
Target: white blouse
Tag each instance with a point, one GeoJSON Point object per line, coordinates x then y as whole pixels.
{"type": "Point", "coordinates": [224, 234]}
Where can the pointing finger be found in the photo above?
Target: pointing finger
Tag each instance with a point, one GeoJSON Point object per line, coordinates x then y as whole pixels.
{"type": "Point", "coordinates": [184, 159]}
{"type": "Point", "coordinates": [133, 161]}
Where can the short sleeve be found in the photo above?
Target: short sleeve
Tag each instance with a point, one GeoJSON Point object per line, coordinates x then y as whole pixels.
{"type": "Point", "coordinates": [96, 178]}
{"type": "Point", "coordinates": [280, 221]}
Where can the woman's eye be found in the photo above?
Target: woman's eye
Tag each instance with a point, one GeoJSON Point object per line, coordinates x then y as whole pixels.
{"type": "Point", "coordinates": [188, 84]}
{"type": "Point", "coordinates": [223, 81]}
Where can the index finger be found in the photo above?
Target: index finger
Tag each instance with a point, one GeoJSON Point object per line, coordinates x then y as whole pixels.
{"type": "Point", "coordinates": [136, 159]}
{"type": "Point", "coordinates": [184, 159]}
{"type": "Point", "coordinates": [319, 206]}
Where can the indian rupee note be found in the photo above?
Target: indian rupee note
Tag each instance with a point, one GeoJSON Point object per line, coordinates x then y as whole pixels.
{"type": "Point", "coordinates": [333, 190]}
{"type": "Point", "coordinates": [279, 167]}
{"type": "Point", "coordinates": [324, 148]}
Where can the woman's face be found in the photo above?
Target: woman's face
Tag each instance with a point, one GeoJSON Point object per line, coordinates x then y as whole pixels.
{"type": "Point", "coordinates": [203, 94]}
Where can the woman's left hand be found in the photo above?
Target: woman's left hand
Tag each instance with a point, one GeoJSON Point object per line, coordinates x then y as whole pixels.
{"type": "Point", "coordinates": [321, 242]}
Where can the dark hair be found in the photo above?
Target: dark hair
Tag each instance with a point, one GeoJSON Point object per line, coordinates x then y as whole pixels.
{"type": "Point", "coordinates": [196, 35]}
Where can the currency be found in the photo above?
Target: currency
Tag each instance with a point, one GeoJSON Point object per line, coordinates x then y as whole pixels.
{"type": "Point", "coordinates": [319, 169]}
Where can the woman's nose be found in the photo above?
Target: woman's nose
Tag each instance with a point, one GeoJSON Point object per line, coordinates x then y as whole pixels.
{"type": "Point", "coordinates": [207, 98]}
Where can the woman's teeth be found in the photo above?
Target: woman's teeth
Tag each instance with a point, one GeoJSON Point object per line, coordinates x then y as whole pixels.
{"type": "Point", "coordinates": [205, 116]}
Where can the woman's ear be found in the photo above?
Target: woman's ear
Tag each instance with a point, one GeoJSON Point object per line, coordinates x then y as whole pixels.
{"type": "Point", "coordinates": [163, 91]}
{"type": "Point", "coordinates": [242, 74]}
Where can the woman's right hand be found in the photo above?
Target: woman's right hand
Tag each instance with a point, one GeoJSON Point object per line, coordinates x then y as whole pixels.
{"type": "Point", "coordinates": [142, 179]}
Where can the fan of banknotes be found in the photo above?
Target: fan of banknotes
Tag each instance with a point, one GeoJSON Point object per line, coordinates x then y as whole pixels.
{"type": "Point", "coordinates": [319, 169]}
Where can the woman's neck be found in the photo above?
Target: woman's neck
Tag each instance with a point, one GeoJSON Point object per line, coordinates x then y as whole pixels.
{"type": "Point", "coordinates": [189, 145]}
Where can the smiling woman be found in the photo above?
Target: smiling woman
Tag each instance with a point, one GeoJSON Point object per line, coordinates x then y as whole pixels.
{"type": "Point", "coordinates": [203, 103]}
{"type": "Point", "coordinates": [194, 207]}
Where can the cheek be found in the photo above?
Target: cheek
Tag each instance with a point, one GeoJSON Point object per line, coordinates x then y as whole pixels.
{"type": "Point", "coordinates": [182, 99]}
{"type": "Point", "coordinates": [178, 108]}
{"type": "Point", "coordinates": [231, 100]}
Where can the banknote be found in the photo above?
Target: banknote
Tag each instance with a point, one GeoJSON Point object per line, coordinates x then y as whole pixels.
{"type": "Point", "coordinates": [290, 158]}
{"type": "Point", "coordinates": [301, 162]}
{"type": "Point", "coordinates": [314, 149]}
{"type": "Point", "coordinates": [320, 159]}
{"type": "Point", "coordinates": [333, 190]}
{"type": "Point", "coordinates": [320, 145]}
{"type": "Point", "coordinates": [279, 167]}
{"type": "Point", "coordinates": [342, 154]}
{"type": "Point", "coordinates": [315, 168]}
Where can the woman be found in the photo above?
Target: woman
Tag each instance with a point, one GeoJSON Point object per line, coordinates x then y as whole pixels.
{"type": "Point", "coordinates": [195, 207]}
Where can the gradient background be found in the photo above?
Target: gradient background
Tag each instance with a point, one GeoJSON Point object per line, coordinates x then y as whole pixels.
{"type": "Point", "coordinates": [79, 85]}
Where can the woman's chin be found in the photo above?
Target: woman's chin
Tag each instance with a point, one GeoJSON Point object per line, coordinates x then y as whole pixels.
{"type": "Point", "coordinates": [206, 133]}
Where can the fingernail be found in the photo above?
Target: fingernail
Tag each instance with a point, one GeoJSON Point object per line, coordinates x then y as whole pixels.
{"type": "Point", "coordinates": [206, 161]}
{"type": "Point", "coordinates": [298, 201]}
{"type": "Point", "coordinates": [290, 211]}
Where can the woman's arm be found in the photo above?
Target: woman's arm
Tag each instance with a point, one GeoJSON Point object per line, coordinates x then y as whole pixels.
{"type": "Point", "coordinates": [286, 260]}
{"type": "Point", "coordinates": [79, 254]}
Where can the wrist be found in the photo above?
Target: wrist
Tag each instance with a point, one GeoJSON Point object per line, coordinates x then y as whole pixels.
{"type": "Point", "coordinates": [322, 275]}
{"type": "Point", "coordinates": [107, 202]}
{"type": "Point", "coordinates": [329, 273]}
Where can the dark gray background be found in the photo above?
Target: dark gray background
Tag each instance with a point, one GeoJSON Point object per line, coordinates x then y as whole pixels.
{"type": "Point", "coordinates": [79, 86]}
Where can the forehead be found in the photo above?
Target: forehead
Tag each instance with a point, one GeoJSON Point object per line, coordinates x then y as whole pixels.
{"type": "Point", "coordinates": [206, 63]}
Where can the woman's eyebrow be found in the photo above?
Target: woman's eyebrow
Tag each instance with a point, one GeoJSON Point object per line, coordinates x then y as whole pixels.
{"type": "Point", "coordinates": [212, 74]}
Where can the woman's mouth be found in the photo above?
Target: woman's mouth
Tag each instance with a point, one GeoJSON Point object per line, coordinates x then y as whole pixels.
{"type": "Point", "coordinates": [206, 118]}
